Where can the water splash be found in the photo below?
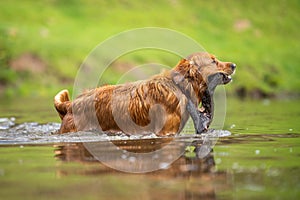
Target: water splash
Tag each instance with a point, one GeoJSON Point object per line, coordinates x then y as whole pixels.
{"type": "Point", "coordinates": [6, 123]}
{"type": "Point", "coordinates": [35, 133]}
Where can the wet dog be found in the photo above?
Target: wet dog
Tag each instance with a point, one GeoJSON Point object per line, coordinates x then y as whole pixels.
{"type": "Point", "coordinates": [160, 105]}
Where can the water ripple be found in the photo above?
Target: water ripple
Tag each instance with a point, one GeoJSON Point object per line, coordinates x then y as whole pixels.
{"type": "Point", "coordinates": [35, 133]}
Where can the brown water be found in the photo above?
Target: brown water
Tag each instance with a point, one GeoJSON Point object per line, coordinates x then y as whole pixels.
{"type": "Point", "coordinates": [259, 160]}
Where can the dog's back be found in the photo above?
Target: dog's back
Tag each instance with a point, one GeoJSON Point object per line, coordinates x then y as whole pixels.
{"type": "Point", "coordinates": [144, 106]}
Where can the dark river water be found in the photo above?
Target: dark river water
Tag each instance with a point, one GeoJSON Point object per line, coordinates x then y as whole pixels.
{"type": "Point", "coordinates": [255, 155]}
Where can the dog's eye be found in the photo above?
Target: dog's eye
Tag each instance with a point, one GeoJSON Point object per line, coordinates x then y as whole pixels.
{"type": "Point", "coordinates": [215, 62]}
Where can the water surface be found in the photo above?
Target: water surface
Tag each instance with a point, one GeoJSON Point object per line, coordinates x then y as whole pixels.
{"type": "Point", "coordinates": [258, 160]}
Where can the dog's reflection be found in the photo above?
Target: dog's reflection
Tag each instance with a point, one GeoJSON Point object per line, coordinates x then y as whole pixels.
{"type": "Point", "coordinates": [191, 162]}
{"type": "Point", "coordinates": [193, 172]}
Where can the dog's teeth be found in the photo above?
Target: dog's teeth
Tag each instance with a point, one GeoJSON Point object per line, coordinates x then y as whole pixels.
{"type": "Point", "coordinates": [229, 77]}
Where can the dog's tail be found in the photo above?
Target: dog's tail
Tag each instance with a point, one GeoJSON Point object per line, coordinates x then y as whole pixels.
{"type": "Point", "coordinates": [62, 103]}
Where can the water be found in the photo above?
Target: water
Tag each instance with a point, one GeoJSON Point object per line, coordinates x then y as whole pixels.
{"type": "Point", "coordinates": [256, 158]}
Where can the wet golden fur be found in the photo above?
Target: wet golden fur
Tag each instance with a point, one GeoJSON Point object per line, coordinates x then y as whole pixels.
{"type": "Point", "coordinates": [154, 105]}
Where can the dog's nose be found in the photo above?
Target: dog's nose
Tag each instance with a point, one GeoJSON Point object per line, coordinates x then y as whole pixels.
{"type": "Point", "coordinates": [233, 66]}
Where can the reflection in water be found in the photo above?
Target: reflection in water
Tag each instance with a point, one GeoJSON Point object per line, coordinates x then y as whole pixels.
{"type": "Point", "coordinates": [260, 160]}
{"type": "Point", "coordinates": [188, 163]}
{"type": "Point", "coordinates": [239, 167]}
{"type": "Point", "coordinates": [192, 172]}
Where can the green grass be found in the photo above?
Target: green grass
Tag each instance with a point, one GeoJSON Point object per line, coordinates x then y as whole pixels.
{"type": "Point", "coordinates": [62, 33]}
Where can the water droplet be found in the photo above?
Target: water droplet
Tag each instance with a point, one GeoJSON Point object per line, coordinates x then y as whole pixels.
{"type": "Point", "coordinates": [257, 152]}
{"type": "Point", "coordinates": [232, 126]}
{"type": "Point", "coordinates": [290, 129]}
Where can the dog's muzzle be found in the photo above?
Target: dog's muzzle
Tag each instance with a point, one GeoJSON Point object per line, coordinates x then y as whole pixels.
{"type": "Point", "coordinates": [227, 77]}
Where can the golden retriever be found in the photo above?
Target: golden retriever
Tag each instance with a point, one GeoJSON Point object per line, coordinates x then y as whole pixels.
{"type": "Point", "coordinates": [160, 104]}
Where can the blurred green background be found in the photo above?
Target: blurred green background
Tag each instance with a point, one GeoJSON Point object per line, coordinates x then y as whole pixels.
{"type": "Point", "coordinates": [43, 43]}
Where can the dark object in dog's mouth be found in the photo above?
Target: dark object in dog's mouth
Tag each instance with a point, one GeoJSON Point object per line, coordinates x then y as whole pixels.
{"type": "Point", "coordinates": [226, 78]}
{"type": "Point", "coordinates": [219, 78]}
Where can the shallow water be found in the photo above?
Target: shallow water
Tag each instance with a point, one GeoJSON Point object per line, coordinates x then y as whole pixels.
{"type": "Point", "coordinates": [256, 158]}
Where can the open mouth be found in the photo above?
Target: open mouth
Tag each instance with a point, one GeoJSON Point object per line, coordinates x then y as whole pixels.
{"type": "Point", "coordinates": [226, 78]}
{"type": "Point", "coordinates": [219, 78]}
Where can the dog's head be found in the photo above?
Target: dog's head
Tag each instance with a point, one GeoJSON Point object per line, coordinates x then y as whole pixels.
{"type": "Point", "coordinates": [208, 66]}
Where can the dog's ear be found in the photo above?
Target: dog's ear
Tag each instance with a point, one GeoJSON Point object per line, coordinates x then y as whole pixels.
{"type": "Point", "coordinates": [183, 61]}
{"type": "Point", "coordinates": [197, 60]}
{"type": "Point", "coordinates": [182, 66]}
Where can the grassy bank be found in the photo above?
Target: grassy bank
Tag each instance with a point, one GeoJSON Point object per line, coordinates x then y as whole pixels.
{"type": "Point", "coordinates": [42, 43]}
